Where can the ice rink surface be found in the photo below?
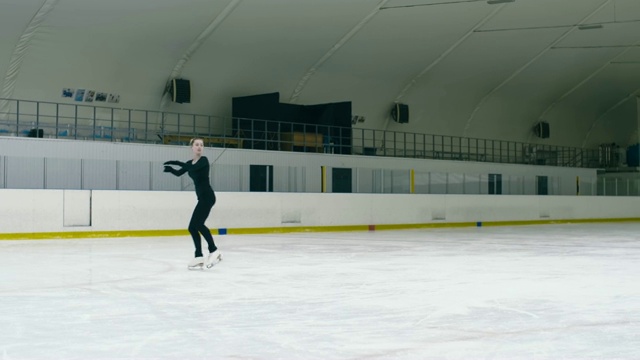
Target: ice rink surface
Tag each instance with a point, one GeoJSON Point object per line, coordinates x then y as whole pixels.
{"type": "Point", "coordinates": [525, 292]}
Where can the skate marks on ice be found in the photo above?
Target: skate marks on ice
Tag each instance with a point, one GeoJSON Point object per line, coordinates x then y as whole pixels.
{"type": "Point", "coordinates": [74, 264]}
{"type": "Point", "coordinates": [542, 292]}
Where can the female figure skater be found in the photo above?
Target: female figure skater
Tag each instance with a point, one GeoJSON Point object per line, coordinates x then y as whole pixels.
{"type": "Point", "coordinates": [198, 169]}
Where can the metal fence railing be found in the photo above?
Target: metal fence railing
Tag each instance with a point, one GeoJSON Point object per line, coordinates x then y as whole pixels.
{"type": "Point", "coordinates": [88, 122]}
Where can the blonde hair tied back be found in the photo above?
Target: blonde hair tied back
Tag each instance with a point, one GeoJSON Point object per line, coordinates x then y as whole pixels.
{"type": "Point", "coordinates": [194, 140]}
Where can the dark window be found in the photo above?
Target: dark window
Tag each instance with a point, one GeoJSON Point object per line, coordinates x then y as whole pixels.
{"type": "Point", "coordinates": [341, 180]}
{"type": "Point", "coordinates": [261, 178]}
{"type": "Point", "coordinates": [543, 185]}
{"type": "Point", "coordinates": [495, 184]}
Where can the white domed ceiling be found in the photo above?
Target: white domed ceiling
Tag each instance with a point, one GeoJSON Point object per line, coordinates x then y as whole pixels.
{"type": "Point", "coordinates": [474, 68]}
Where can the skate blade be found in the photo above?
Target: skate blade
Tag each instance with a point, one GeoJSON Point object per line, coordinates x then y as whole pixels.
{"type": "Point", "coordinates": [197, 267]}
{"type": "Point", "coordinates": [217, 260]}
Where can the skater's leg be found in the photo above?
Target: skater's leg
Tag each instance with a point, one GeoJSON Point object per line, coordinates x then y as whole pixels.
{"type": "Point", "coordinates": [204, 211]}
{"type": "Point", "coordinates": [207, 236]}
{"type": "Point", "coordinates": [195, 225]}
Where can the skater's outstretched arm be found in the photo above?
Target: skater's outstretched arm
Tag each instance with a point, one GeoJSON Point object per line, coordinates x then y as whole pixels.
{"type": "Point", "coordinates": [174, 162]}
{"type": "Point", "coordinates": [183, 167]}
{"type": "Point", "coordinates": [203, 162]}
{"type": "Point", "coordinates": [175, 172]}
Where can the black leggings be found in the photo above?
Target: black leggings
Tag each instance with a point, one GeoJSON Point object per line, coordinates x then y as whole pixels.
{"type": "Point", "coordinates": [197, 227]}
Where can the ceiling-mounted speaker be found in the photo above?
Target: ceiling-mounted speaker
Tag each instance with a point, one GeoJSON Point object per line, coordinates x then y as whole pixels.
{"type": "Point", "coordinates": [400, 113]}
{"type": "Point", "coordinates": [180, 91]}
{"type": "Point", "coordinates": [542, 130]}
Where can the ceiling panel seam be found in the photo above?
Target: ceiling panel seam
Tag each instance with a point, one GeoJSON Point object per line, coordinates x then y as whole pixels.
{"type": "Point", "coordinates": [305, 78]}
{"type": "Point", "coordinates": [525, 66]}
{"type": "Point", "coordinates": [430, 4]}
{"type": "Point", "coordinates": [584, 81]}
{"type": "Point", "coordinates": [617, 105]}
{"type": "Point", "coordinates": [583, 26]}
{"type": "Point", "coordinates": [579, 85]}
{"type": "Point", "coordinates": [19, 52]}
{"type": "Point", "coordinates": [442, 56]}
{"type": "Point", "coordinates": [447, 52]}
{"type": "Point", "coordinates": [197, 43]}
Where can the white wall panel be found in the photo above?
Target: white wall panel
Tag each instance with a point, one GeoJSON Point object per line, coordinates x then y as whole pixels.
{"type": "Point", "coordinates": [294, 179]}
{"type": "Point", "coordinates": [63, 173]}
{"type": "Point", "coordinates": [226, 178]}
{"type": "Point", "coordinates": [530, 185]}
{"type": "Point", "coordinates": [397, 182]}
{"type": "Point", "coordinates": [515, 185]}
{"type": "Point", "coordinates": [135, 210]}
{"type": "Point", "coordinates": [161, 180]}
{"type": "Point", "coordinates": [484, 184]}
{"type": "Point", "coordinates": [30, 210]}
{"type": "Point", "coordinates": [99, 174]}
{"type": "Point", "coordinates": [364, 180]}
{"type": "Point", "coordinates": [455, 183]}
{"type": "Point", "coordinates": [421, 182]}
{"type": "Point", "coordinates": [25, 173]}
{"type": "Point", "coordinates": [472, 184]}
{"type": "Point", "coordinates": [438, 183]}
{"type": "Point", "coordinates": [588, 186]}
{"type": "Point", "coordinates": [3, 173]}
{"type": "Point", "coordinates": [133, 175]}
{"type": "Point", "coordinates": [378, 181]}
{"type": "Point", "coordinates": [44, 210]}
{"type": "Point", "coordinates": [76, 207]}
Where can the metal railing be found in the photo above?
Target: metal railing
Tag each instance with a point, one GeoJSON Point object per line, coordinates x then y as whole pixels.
{"type": "Point", "coordinates": [103, 123]}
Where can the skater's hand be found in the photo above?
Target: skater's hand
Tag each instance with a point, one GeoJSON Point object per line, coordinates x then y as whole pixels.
{"type": "Point", "coordinates": [168, 169]}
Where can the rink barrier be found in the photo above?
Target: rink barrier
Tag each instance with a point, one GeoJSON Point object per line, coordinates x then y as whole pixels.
{"type": "Point", "coordinates": [295, 229]}
{"type": "Point", "coordinates": [91, 234]}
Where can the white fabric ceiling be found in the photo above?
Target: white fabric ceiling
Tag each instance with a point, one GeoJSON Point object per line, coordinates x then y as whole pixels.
{"type": "Point", "coordinates": [464, 67]}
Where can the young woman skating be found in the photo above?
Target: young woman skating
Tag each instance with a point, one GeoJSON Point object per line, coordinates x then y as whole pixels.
{"type": "Point", "coordinates": [198, 170]}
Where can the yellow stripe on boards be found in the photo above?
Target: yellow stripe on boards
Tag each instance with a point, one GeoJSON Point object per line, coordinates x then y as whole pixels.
{"type": "Point", "coordinates": [91, 234]}
{"type": "Point", "coordinates": [557, 221]}
{"type": "Point", "coordinates": [296, 229]}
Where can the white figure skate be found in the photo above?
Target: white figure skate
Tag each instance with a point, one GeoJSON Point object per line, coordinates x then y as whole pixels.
{"type": "Point", "coordinates": [214, 258]}
{"type": "Point", "coordinates": [196, 263]}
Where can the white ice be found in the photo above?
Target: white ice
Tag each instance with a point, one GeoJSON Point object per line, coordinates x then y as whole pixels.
{"type": "Point", "coordinates": [525, 292]}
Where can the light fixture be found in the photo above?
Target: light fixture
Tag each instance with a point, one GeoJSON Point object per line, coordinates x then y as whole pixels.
{"type": "Point", "coordinates": [589, 26]}
{"type": "Point", "coordinates": [494, 2]}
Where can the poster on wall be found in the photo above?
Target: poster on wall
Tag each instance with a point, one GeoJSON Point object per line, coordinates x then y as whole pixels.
{"type": "Point", "coordinates": [67, 92]}
{"type": "Point", "coordinates": [101, 96]}
{"type": "Point", "coordinates": [79, 95]}
{"type": "Point", "coordinates": [114, 98]}
{"type": "Point", "coordinates": [90, 95]}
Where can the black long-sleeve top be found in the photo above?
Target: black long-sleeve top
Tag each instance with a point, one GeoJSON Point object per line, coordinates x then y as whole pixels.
{"type": "Point", "coordinates": [199, 173]}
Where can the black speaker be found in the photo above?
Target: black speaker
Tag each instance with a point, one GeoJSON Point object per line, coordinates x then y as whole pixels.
{"type": "Point", "coordinates": [36, 133]}
{"type": "Point", "coordinates": [400, 113]}
{"type": "Point", "coordinates": [542, 130]}
{"type": "Point", "coordinates": [180, 91]}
